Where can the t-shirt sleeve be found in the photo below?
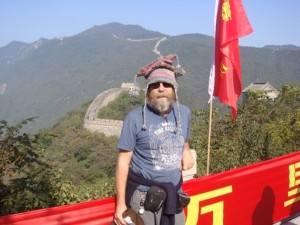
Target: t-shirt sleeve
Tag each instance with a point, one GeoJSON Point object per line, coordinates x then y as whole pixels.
{"type": "Point", "coordinates": [127, 138]}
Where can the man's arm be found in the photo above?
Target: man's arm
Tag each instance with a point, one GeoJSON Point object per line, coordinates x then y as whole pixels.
{"type": "Point", "coordinates": [187, 157]}
{"type": "Point", "coordinates": [121, 176]}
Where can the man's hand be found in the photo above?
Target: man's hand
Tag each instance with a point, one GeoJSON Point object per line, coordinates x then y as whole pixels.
{"type": "Point", "coordinates": [118, 219]}
{"type": "Point", "coordinates": [187, 161]}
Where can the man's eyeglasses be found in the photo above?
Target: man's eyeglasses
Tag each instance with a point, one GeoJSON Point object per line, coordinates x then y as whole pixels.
{"type": "Point", "coordinates": [157, 85]}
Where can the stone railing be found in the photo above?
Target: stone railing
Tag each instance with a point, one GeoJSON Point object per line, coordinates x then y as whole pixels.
{"type": "Point", "coordinates": [105, 126]}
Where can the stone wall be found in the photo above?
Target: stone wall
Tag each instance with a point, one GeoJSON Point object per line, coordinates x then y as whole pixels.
{"type": "Point", "coordinates": [105, 126]}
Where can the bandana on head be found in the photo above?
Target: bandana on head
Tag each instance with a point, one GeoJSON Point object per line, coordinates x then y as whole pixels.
{"type": "Point", "coordinates": [162, 70]}
{"type": "Point", "coordinates": [164, 62]}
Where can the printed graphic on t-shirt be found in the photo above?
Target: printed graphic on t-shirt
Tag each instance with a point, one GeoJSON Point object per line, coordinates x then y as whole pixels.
{"type": "Point", "coordinates": [166, 146]}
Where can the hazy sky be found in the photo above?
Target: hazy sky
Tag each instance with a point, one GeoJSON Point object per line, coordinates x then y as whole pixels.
{"type": "Point", "coordinates": [273, 21]}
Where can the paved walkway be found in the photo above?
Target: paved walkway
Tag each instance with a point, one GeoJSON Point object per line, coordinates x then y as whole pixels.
{"type": "Point", "coordinates": [293, 221]}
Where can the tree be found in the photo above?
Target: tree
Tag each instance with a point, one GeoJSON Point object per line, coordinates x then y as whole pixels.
{"type": "Point", "coordinates": [26, 182]}
{"type": "Point", "coordinates": [264, 129]}
{"type": "Point", "coordinates": [118, 109]}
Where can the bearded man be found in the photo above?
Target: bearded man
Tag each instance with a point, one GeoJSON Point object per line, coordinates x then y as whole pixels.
{"type": "Point", "coordinates": [154, 149]}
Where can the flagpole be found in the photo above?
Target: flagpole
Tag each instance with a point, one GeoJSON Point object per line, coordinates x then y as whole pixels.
{"type": "Point", "coordinates": [209, 136]}
{"type": "Point", "coordinates": [211, 91]}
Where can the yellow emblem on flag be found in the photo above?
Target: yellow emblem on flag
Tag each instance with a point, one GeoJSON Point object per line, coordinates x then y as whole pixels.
{"type": "Point", "coordinates": [226, 12]}
{"type": "Point", "coordinates": [223, 69]}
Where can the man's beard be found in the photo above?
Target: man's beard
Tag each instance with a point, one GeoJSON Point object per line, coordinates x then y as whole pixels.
{"type": "Point", "coordinates": [160, 106]}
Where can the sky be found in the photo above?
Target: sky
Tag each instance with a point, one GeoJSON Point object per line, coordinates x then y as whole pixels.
{"type": "Point", "coordinates": [274, 22]}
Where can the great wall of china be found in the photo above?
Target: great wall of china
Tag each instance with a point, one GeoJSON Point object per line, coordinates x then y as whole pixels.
{"type": "Point", "coordinates": [105, 126]}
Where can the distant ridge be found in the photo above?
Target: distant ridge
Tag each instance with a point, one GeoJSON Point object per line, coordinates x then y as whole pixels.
{"type": "Point", "coordinates": [49, 78]}
{"type": "Point", "coordinates": [282, 47]}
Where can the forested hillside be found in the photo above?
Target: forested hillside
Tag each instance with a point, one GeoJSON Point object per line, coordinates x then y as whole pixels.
{"type": "Point", "coordinates": [66, 164]}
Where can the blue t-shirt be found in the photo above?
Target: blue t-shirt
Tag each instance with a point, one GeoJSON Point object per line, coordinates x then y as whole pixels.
{"type": "Point", "coordinates": [157, 151]}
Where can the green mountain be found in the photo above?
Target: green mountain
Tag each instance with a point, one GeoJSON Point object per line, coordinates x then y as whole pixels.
{"type": "Point", "coordinates": [48, 78]}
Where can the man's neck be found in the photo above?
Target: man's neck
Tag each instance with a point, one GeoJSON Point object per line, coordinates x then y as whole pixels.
{"type": "Point", "coordinates": [165, 113]}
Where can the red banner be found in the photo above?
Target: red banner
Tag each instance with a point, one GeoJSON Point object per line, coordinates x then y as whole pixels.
{"type": "Point", "coordinates": [231, 24]}
{"type": "Point", "coordinates": [260, 194]}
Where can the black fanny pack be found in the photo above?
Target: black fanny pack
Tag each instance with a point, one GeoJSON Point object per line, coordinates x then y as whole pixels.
{"type": "Point", "coordinates": [155, 198]}
{"type": "Point", "coordinates": [183, 199]}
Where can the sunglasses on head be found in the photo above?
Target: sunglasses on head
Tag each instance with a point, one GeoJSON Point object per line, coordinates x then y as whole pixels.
{"type": "Point", "coordinates": [157, 85]}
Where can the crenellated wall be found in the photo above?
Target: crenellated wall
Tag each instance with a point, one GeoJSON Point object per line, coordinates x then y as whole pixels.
{"type": "Point", "coordinates": [105, 126]}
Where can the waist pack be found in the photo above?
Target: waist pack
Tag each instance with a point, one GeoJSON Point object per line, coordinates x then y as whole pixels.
{"type": "Point", "coordinates": [183, 199]}
{"type": "Point", "coordinates": [155, 198]}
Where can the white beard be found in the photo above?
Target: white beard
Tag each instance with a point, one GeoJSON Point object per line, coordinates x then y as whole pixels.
{"type": "Point", "coordinates": [162, 105]}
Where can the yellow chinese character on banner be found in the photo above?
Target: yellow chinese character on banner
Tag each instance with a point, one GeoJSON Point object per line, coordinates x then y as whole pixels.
{"type": "Point", "coordinates": [294, 181]}
{"type": "Point", "coordinates": [216, 208]}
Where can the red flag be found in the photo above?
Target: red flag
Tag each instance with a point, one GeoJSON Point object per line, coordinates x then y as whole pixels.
{"type": "Point", "coordinates": [231, 24]}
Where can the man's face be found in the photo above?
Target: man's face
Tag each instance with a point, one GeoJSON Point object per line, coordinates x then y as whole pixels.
{"type": "Point", "coordinates": [161, 96]}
